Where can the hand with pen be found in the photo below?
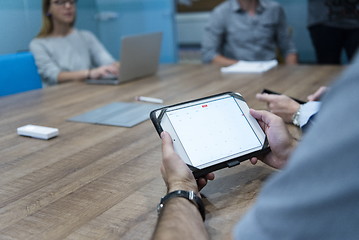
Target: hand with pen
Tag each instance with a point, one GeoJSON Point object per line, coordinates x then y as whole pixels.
{"type": "Point", "coordinates": [284, 106]}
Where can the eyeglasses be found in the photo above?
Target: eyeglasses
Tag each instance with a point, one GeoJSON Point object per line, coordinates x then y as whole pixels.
{"type": "Point", "coordinates": [63, 2]}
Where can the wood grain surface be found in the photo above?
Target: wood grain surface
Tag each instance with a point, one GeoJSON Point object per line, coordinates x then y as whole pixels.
{"type": "Point", "coordinates": [104, 182]}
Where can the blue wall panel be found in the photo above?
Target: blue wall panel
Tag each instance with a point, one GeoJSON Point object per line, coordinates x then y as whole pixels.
{"type": "Point", "coordinates": [128, 17]}
{"type": "Point", "coordinates": [20, 21]}
{"type": "Point", "coordinates": [296, 12]}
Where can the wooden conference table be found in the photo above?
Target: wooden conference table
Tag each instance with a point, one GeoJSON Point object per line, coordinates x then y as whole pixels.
{"type": "Point", "coordinates": [104, 182]}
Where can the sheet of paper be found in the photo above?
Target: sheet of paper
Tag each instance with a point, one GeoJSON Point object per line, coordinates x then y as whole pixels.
{"type": "Point", "coordinates": [250, 66]}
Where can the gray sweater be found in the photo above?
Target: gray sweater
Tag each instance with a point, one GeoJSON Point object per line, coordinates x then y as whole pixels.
{"type": "Point", "coordinates": [80, 50]}
{"type": "Point", "coordinates": [316, 196]}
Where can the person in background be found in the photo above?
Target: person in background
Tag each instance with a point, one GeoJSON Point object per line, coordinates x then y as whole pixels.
{"type": "Point", "coordinates": [301, 115]}
{"type": "Point", "coordinates": [62, 52]}
{"type": "Point", "coordinates": [251, 30]}
{"type": "Point", "coordinates": [333, 26]}
{"type": "Point", "coordinates": [315, 190]}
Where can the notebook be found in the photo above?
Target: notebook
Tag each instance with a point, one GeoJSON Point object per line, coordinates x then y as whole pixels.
{"type": "Point", "coordinates": [250, 66]}
{"type": "Point", "coordinates": [139, 58]}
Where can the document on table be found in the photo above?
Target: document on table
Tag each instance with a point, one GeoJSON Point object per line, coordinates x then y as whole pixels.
{"type": "Point", "coordinates": [122, 114]}
{"type": "Point", "coordinates": [250, 66]}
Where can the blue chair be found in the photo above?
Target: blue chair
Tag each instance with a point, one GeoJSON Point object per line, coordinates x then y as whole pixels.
{"type": "Point", "coordinates": [18, 73]}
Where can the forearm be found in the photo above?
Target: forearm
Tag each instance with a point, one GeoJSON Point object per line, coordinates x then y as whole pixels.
{"type": "Point", "coordinates": [73, 76]}
{"type": "Point", "coordinates": [223, 61]}
{"type": "Point", "coordinates": [180, 219]}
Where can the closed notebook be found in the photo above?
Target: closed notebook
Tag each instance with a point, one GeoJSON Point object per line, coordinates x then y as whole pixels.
{"type": "Point", "coordinates": [250, 66]}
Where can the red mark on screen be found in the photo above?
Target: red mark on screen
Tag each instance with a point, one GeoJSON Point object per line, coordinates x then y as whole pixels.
{"type": "Point", "coordinates": [204, 105]}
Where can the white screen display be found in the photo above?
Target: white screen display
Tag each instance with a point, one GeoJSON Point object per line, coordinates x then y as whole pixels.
{"type": "Point", "coordinates": [213, 130]}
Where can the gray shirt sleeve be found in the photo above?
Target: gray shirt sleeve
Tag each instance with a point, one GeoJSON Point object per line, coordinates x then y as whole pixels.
{"type": "Point", "coordinates": [316, 195]}
{"type": "Point", "coordinates": [213, 36]}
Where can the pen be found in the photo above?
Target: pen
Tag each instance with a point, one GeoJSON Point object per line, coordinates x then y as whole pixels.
{"type": "Point", "coordinates": [149, 99]}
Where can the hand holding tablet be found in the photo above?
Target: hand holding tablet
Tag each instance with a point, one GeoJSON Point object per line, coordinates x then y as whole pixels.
{"type": "Point", "coordinates": [213, 132]}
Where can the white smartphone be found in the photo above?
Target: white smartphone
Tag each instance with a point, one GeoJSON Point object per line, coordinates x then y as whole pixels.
{"type": "Point", "coordinates": [212, 132]}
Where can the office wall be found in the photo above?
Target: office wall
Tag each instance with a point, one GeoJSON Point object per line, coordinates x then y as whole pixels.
{"type": "Point", "coordinates": [20, 21]}
{"type": "Point", "coordinates": [127, 17]}
{"type": "Point", "coordinates": [296, 12]}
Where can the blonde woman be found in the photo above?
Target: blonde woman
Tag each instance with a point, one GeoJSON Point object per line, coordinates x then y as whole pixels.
{"type": "Point", "coordinates": [64, 53]}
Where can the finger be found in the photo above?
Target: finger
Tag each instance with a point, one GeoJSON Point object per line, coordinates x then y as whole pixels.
{"type": "Point", "coordinates": [201, 183]}
{"type": "Point", "coordinates": [112, 69]}
{"type": "Point", "coordinates": [210, 176]}
{"type": "Point", "coordinates": [257, 116]}
{"type": "Point", "coordinates": [263, 116]}
{"type": "Point", "coordinates": [318, 94]}
{"type": "Point", "coordinates": [253, 160]}
{"type": "Point", "coordinates": [261, 96]}
{"type": "Point", "coordinates": [265, 97]}
{"type": "Point", "coordinates": [311, 98]}
{"type": "Point", "coordinates": [109, 71]}
{"type": "Point", "coordinates": [254, 113]}
{"type": "Point", "coordinates": [167, 145]}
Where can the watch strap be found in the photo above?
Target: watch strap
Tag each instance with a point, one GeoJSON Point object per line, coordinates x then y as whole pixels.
{"type": "Point", "coordinates": [189, 195]}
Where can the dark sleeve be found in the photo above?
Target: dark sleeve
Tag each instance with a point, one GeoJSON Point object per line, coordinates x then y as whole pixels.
{"type": "Point", "coordinates": [316, 195]}
{"type": "Point", "coordinates": [306, 126]}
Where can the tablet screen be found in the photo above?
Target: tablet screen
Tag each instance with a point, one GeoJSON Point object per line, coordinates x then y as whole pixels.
{"type": "Point", "coordinates": [213, 130]}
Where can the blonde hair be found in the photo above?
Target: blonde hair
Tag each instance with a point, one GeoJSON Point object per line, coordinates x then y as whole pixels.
{"type": "Point", "coordinates": [47, 23]}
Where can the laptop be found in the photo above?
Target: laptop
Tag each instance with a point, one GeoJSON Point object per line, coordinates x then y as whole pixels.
{"type": "Point", "coordinates": [139, 58]}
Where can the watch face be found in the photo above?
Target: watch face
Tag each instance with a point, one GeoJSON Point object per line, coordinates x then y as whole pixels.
{"type": "Point", "coordinates": [295, 118]}
{"type": "Point", "coordinates": [159, 208]}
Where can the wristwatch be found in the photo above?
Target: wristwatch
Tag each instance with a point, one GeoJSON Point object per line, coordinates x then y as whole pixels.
{"type": "Point", "coordinates": [190, 195]}
{"type": "Point", "coordinates": [295, 117]}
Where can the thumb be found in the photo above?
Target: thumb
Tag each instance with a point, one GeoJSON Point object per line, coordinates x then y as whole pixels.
{"type": "Point", "coordinates": [167, 144]}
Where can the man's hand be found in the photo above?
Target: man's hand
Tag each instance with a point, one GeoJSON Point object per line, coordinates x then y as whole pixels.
{"type": "Point", "coordinates": [318, 94]}
{"type": "Point", "coordinates": [280, 140]}
{"type": "Point", "coordinates": [223, 61]}
{"type": "Point", "coordinates": [281, 105]}
{"type": "Point", "coordinates": [175, 172]}
{"type": "Point", "coordinates": [291, 59]}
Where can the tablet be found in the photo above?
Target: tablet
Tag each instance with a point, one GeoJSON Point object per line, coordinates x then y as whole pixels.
{"type": "Point", "coordinates": [277, 93]}
{"type": "Point", "coordinates": [212, 132]}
